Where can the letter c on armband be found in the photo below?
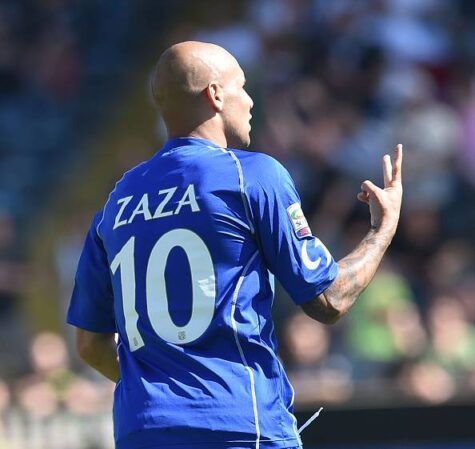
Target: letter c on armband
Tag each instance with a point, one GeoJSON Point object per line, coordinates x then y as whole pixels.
{"type": "Point", "coordinates": [309, 263]}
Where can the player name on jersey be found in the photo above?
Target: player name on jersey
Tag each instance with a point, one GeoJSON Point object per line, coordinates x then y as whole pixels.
{"type": "Point", "coordinates": [131, 207]}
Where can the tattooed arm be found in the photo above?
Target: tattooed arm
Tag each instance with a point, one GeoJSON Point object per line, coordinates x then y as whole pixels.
{"type": "Point", "coordinates": [355, 272]}
{"type": "Point", "coordinates": [358, 268]}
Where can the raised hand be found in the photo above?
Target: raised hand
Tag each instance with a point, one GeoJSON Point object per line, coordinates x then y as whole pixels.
{"type": "Point", "coordinates": [358, 268]}
{"type": "Point", "coordinates": [385, 204]}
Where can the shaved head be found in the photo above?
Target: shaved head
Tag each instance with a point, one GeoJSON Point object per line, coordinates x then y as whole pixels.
{"type": "Point", "coordinates": [194, 84]}
{"type": "Point", "coordinates": [188, 67]}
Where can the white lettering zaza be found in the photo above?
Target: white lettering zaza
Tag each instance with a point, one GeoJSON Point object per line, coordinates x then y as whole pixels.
{"type": "Point", "coordinates": [142, 206]}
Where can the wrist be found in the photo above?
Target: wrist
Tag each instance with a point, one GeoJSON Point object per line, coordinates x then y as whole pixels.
{"type": "Point", "coordinates": [386, 224]}
{"type": "Point", "coordinates": [384, 233]}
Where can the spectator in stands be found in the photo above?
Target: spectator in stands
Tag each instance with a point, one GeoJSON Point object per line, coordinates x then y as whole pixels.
{"type": "Point", "coordinates": [316, 375]}
{"type": "Point", "coordinates": [4, 405]}
{"type": "Point", "coordinates": [452, 336]}
{"type": "Point", "coordinates": [12, 279]}
{"type": "Point", "coordinates": [427, 382]}
{"type": "Point", "coordinates": [52, 385]}
{"type": "Point", "coordinates": [385, 329]}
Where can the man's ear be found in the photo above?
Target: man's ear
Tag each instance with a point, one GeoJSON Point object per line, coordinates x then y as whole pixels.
{"type": "Point", "coordinates": [215, 95]}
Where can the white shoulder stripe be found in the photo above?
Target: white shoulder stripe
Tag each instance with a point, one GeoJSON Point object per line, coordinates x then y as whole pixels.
{"type": "Point", "coordinates": [241, 186]}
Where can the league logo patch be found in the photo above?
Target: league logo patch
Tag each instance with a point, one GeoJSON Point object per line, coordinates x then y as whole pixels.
{"type": "Point", "coordinates": [298, 220]}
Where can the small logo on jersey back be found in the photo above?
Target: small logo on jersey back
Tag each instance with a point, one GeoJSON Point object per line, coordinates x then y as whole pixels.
{"type": "Point", "coordinates": [181, 335]}
{"type": "Point", "coordinates": [298, 220]}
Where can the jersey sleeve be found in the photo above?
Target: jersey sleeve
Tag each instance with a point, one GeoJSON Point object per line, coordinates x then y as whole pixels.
{"type": "Point", "coordinates": [299, 260]}
{"type": "Point", "coordinates": [92, 304]}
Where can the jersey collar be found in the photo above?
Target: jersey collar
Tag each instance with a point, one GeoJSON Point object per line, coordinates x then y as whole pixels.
{"type": "Point", "coordinates": [187, 141]}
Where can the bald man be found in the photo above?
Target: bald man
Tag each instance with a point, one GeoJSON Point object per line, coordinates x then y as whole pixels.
{"type": "Point", "coordinates": [180, 264]}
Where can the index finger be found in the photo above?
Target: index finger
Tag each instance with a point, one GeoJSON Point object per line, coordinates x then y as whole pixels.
{"type": "Point", "coordinates": [397, 163]}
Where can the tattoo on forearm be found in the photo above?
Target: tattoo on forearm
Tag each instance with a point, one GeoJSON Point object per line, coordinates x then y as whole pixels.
{"type": "Point", "coordinates": [355, 272]}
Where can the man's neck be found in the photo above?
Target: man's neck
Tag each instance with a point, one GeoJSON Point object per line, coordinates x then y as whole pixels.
{"type": "Point", "coordinates": [217, 139]}
{"type": "Point", "coordinates": [205, 130]}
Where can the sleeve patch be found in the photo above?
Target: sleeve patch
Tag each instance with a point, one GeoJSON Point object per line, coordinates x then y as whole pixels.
{"type": "Point", "coordinates": [298, 220]}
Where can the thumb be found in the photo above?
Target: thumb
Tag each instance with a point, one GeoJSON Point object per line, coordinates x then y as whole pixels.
{"type": "Point", "coordinates": [363, 197]}
{"type": "Point", "coordinates": [370, 188]}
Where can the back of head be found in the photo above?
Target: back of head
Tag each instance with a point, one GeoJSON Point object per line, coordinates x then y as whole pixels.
{"type": "Point", "coordinates": [190, 66]}
{"type": "Point", "coordinates": [189, 85]}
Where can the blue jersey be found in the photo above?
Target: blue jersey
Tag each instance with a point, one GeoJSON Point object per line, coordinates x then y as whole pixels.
{"type": "Point", "coordinates": [180, 263]}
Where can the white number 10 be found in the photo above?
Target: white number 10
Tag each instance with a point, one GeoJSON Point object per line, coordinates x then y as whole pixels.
{"type": "Point", "coordinates": [202, 281]}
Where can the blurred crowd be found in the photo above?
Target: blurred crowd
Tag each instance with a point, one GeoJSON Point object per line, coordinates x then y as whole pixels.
{"type": "Point", "coordinates": [37, 407]}
{"type": "Point", "coordinates": [336, 84]}
{"type": "Point", "coordinates": [56, 60]}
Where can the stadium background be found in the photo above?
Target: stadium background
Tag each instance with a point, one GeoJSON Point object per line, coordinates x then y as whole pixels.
{"type": "Point", "coordinates": [336, 83]}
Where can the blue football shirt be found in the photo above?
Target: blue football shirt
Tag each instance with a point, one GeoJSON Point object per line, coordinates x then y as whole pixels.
{"type": "Point", "coordinates": [180, 263]}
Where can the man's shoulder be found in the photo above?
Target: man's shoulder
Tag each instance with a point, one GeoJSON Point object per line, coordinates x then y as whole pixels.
{"type": "Point", "coordinates": [125, 180]}
{"type": "Point", "coordinates": [130, 174]}
{"type": "Point", "coordinates": [253, 156]}
{"type": "Point", "coordinates": [138, 169]}
{"type": "Point", "coordinates": [260, 168]}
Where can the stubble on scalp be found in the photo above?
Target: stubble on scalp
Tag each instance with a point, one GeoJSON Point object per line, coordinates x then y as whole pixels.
{"type": "Point", "coordinates": [184, 70]}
